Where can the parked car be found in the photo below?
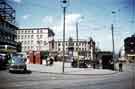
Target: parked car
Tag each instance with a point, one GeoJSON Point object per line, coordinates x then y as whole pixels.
{"type": "Point", "coordinates": [17, 62]}
{"type": "Point", "coordinates": [3, 61]}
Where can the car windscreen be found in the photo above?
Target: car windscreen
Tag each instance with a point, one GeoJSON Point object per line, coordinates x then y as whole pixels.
{"type": "Point", "coordinates": [18, 60]}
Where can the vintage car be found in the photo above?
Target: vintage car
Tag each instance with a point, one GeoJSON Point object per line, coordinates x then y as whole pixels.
{"type": "Point", "coordinates": [17, 63]}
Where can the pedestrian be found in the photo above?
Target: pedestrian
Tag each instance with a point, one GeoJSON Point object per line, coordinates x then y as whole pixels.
{"type": "Point", "coordinates": [94, 65]}
{"type": "Point", "coordinates": [51, 61]}
{"type": "Point", "coordinates": [120, 67]}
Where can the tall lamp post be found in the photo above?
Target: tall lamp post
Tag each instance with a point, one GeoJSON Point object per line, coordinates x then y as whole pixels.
{"type": "Point", "coordinates": [113, 44]}
{"type": "Point", "coordinates": [64, 5]}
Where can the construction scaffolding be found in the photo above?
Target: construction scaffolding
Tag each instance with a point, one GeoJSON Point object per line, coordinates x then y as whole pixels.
{"type": "Point", "coordinates": [7, 13]}
{"type": "Point", "coordinates": [7, 27]}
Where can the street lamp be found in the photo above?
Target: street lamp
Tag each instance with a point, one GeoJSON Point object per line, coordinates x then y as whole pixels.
{"type": "Point", "coordinates": [112, 30]}
{"type": "Point", "coordinates": [64, 5]}
{"type": "Point", "coordinates": [77, 26]}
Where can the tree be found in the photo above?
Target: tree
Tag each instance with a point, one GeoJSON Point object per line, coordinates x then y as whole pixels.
{"type": "Point", "coordinates": [19, 47]}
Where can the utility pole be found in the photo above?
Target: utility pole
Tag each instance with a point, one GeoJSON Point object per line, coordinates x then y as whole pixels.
{"type": "Point", "coordinates": [77, 44]}
{"type": "Point", "coordinates": [113, 44]}
{"type": "Point", "coordinates": [112, 29]}
{"type": "Point", "coordinates": [64, 4]}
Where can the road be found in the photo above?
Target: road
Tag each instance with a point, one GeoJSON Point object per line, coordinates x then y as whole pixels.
{"type": "Point", "coordinates": [36, 80]}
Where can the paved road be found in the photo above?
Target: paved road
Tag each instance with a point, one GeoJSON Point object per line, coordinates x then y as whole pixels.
{"type": "Point", "coordinates": [35, 80]}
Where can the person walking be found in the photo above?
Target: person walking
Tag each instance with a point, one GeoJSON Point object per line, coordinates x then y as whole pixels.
{"type": "Point", "coordinates": [120, 67]}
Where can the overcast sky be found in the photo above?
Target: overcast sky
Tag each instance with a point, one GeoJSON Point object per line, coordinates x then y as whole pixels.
{"type": "Point", "coordinates": [94, 16]}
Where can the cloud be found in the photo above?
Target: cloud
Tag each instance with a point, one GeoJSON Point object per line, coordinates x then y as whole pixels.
{"type": "Point", "coordinates": [100, 33]}
{"type": "Point", "coordinates": [48, 20]}
{"type": "Point", "coordinates": [25, 17]}
{"type": "Point", "coordinates": [72, 18]}
{"type": "Point", "coordinates": [70, 25]}
{"type": "Point", "coordinates": [18, 1]}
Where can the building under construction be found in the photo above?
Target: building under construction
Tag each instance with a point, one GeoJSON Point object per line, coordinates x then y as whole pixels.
{"type": "Point", "coordinates": [7, 27]}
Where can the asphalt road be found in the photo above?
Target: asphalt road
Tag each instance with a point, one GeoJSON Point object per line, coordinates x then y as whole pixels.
{"type": "Point", "coordinates": [35, 80]}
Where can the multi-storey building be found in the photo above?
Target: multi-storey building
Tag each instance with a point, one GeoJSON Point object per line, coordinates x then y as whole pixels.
{"type": "Point", "coordinates": [129, 45]}
{"type": "Point", "coordinates": [35, 39]}
{"type": "Point", "coordinates": [7, 27]}
{"type": "Point", "coordinates": [84, 47]}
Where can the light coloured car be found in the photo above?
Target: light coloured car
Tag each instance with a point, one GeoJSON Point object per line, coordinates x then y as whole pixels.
{"type": "Point", "coordinates": [18, 62]}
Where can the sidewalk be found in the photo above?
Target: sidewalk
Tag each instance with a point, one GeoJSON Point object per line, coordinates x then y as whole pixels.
{"type": "Point", "coordinates": [57, 69]}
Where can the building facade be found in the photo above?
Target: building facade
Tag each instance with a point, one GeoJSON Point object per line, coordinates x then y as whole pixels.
{"type": "Point", "coordinates": [129, 45]}
{"type": "Point", "coordinates": [83, 47]}
{"type": "Point", "coordinates": [35, 39]}
{"type": "Point", "coordinates": [7, 27]}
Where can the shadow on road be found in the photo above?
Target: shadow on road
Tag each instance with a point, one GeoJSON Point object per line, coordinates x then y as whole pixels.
{"type": "Point", "coordinates": [21, 72]}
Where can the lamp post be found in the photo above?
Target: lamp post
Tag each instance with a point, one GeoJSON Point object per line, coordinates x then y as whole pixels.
{"type": "Point", "coordinates": [112, 30]}
{"type": "Point", "coordinates": [64, 4]}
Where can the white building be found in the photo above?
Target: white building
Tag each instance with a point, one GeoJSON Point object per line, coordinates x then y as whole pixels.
{"type": "Point", "coordinates": [35, 38]}
{"type": "Point", "coordinates": [83, 45]}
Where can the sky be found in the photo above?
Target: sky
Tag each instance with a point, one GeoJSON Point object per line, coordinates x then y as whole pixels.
{"type": "Point", "coordinates": [94, 17]}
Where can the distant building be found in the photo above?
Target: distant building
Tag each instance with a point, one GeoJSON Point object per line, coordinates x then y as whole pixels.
{"type": "Point", "coordinates": [84, 48]}
{"type": "Point", "coordinates": [35, 39]}
{"type": "Point", "coordinates": [129, 44]}
{"type": "Point", "coordinates": [7, 28]}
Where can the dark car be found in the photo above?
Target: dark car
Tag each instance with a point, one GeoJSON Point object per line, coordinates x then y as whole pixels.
{"type": "Point", "coordinates": [18, 63]}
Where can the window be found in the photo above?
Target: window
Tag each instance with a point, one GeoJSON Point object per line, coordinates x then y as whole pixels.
{"type": "Point", "coordinates": [28, 31]}
{"type": "Point", "coordinates": [18, 32]}
{"type": "Point", "coordinates": [31, 47]}
{"type": "Point", "coordinates": [31, 36]}
{"type": "Point", "coordinates": [38, 31]}
{"type": "Point", "coordinates": [38, 42]}
{"type": "Point", "coordinates": [82, 49]}
{"type": "Point", "coordinates": [25, 42]}
{"type": "Point", "coordinates": [25, 36]}
{"type": "Point", "coordinates": [22, 31]}
{"type": "Point", "coordinates": [40, 36]}
{"type": "Point", "coordinates": [28, 42]}
{"type": "Point", "coordinates": [45, 42]}
{"type": "Point", "coordinates": [58, 44]}
{"type": "Point", "coordinates": [31, 41]}
{"type": "Point", "coordinates": [22, 36]}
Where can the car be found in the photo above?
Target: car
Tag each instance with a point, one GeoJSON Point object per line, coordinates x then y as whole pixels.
{"type": "Point", "coordinates": [3, 61]}
{"type": "Point", "coordinates": [17, 62]}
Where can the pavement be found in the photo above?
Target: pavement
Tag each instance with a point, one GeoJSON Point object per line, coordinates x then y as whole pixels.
{"type": "Point", "coordinates": [56, 68]}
